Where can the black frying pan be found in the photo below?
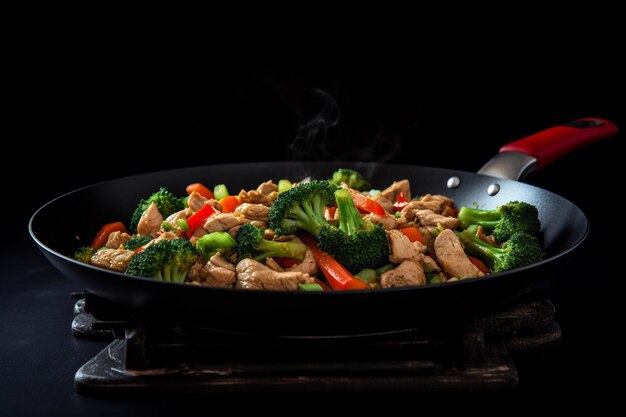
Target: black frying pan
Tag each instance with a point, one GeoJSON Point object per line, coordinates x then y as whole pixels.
{"type": "Point", "coordinates": [58, 231]}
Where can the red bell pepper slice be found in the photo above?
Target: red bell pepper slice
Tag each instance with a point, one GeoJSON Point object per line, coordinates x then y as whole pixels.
{"type": "Point", "coordinates": [366, 204]}
{"type": "Point", "coordinates": [479, 264]}
{"type": "Point", "coordinates": [413, 234]}
{"type": "Point", "coordinates": [103, 234]}
{"type": "Point", "coordinates": [338, 277]}
{"type": "Point", "coordinates": [401, 203]}
{"type": "Point", "coordinates": [198, 217]}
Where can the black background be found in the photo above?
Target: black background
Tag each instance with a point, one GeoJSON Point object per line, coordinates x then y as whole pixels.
{"type": "Point", "coordinates": [105, 116]}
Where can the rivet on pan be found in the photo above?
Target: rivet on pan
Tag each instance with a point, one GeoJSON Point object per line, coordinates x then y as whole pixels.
{"type": "Point", "coordinates": [493, 189]}
{"type": "Point", "coordinates": [454, 182]}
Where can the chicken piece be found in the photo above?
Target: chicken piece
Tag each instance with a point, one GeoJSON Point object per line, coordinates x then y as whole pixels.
{"type": "Point", "coordinates": [388, 221]}
{"type": "Point", "coordinates": [196, 201]}
{"type": "Point", "coordinates": [384, 202]}
{"type": "Point", "coordinates": [215, 204]}
{"type": "Point", "coordinates": [272, 264]}
{"type": "Point", "coordinates": [436, 203]}
{"type": "Point", "coordinates": [449, 211]}
{"type": "Point", "coordinates": [430, 218]}
{"type": "Point", "coordinates": [401, 248]}
{"type": "Point", "coordinates": [216, 273]}
{"type": "Point", "coordinates": [392, 192]}
{"type": "Point", "coordinates": [117, 239]}
{"type": "Point", "coordinates": [253, 211]}
{"type": "Point", "coordinates": [408, 273]}
{"type": "Point", "coordinates": [490, 239]}
{"type": "Point", "coordinates": [267, 188]}
{"type": "Point", "coordinates": [253, 275]}
{"type": "Point", "coordinates": [308, 265]}
{"type": "Point", "coordinates": [255, 197]}
{"type": "Point", "coordinates": [452, 258]}
{"type": "Point", "coordinates": [150, 222]}
{"type": "Point", "coordinates": [114, 259]}
{"type": "Point", "coordinates": [429, 263]}
{"type": "Point", "coordinates": [197, 234]}
{"type": "Point", "coordinates": [223, 222]}
{"type": "Point", "coordinates": [179, 215]}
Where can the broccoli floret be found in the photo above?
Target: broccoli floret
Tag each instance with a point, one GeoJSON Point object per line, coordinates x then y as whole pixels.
{"type": "Point", "coordinates": [136, 242]}
{"type": "Point", "coordinates": [250, 244]}
{"type": "Point", "coordinates": [356, 244]}
{"type": "Point", "coordinates": [352, 178]}
{"type": "Point", "coordinates": [84, 254]}
{"type": "Point", "coordinates": [515, 216]}
{"type": "Point", "coordinates": [168, 260]}
{"type": "Point", "coordinates": [166, 202]}
{"type": "Point", "coordinates": [210, 244]}
{"type": "Point", "coordinates": [302, 207]}
{"type": "Point", "coordinates": [520, 250]}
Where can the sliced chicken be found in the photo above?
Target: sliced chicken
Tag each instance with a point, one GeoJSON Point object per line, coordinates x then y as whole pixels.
{"type": "Point", "coordinates": [150, 222]}
{"type": "Point", "coordinates": [117, 239]}
{"type": "Point", "coordinates": [388, 221]}
{"type": "Point", "coordinates": [216, 273]}
{"type": "Point", "coordinates": [434, 202]}
{"type": "Point", "coordinates": [267, 188]}
{"type": "Point", "coordinates": [272, 264]}
{"type": "Point", "coordinates": [253, 211]}
{"type": "Point", "coordinates": [254, 275]}
{"type": "Point", "coordinates": [392, 192]}
{"type": "Point", "coordinates": [430, 264]}
{"type": "Point", "coordinates": [196, 201]}
{"type": "Point", "coordinates": [452, 258]}
{"type": "Point", "coordinates": [401, 248]}
{"type": "Point", "coordinates": [179, 215]}
{"type": "Point", "coordinates": [222, 222]}
{"type": "Point", "coordinates": [114, 259]}
{"type": "Point", "coordinates": [430, 218]}
{"type": "Point", "coordinates": [308, 264]}
{"type": "Point", "coordinates": [408, 273]}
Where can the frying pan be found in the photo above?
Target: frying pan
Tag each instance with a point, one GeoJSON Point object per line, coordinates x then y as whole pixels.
{"type": "Point", "coordinates": [564, 227]}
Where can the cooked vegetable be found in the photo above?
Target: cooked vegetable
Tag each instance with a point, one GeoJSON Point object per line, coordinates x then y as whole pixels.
{"type": "Point", "coordinates": [367, 204]}
{"type": "Point", "coordinates": [507, 219]}
{"type": "Point", "coordinates": [250, 244]}
{"type": "Point", "coordinates": [167, 260]}
{"type": "Point", "coordinates": [413, 234]}
{"type": "Point", "coordinates": [338, 277]}
{"type": "Point", "coordinates": [220, 191]}
{"type": "Point", "coordinates": [103, 234]}
{"type": "Point", "coordinates": [198, 217]}
{"type": "Point", "coordinates": [479, 264]}
{"type": "Point", "coordinates": [401, 203]}
{"type": "Point", "coordinates": [357, 244]}
{"type": "Point", "coordinates": [200, 189]}
{"type": "Point", "coordinates": [284, 185]}
{"type": "Point", "coordinates": [367, 275]}
{"type": "Point", "coordinates": [310, 287]}
{"type": "Point", "coordinates": [352, 178]}
{"type": "Point", "coordinates": [182, 223]}
{"type": "Point", "coordinates": [229, 203]}
{"type": "Point", "coordinates": [520, 250]}
{"type": "Point", "coordinates": [209, 244]}
{"type": "Point", "coordinates": [302, 207]}
{"type": "Point", "coordinates": [166, 202]}
{"type": "Point", "coordinates": [84, 254]}
{"type": "Point", "coordinates": [136, 242]}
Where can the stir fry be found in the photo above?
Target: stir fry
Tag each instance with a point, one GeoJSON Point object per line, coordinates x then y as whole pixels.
{"type": "Point", "coordinates": [316, 235]}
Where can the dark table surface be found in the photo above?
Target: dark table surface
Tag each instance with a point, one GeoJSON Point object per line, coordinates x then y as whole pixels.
{"type": "Point", "coordinates": [38, 355]}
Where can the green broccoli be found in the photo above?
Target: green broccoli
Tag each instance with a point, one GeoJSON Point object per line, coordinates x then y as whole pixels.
{"type": "Point", "coordinates": [208, 245]}
{"type": "Point", "coordinates": [356, 244]}
{"type": "Point", "coordinates": [250, 244]}
{"type": "Point", "coordinates": [302, 207]}
{"type": "Point", "coordinates": [166, 202]}
{"type": "Point", "coordinates": [520, 250]}
{"type": "Point", "coordinates": [515, 216]}
{"type": "Point", "coordinates": [167, 260]}
{"type": "Point", "coordinates": [84, 254]}
{"type": "Point", "coordinates": [136, 242]}
{"type": "Point", "coordinates": [352, 178]}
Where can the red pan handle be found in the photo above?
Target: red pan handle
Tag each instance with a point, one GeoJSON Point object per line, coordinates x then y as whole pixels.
{"type": "Point", "coordinates": [519, 158]}
{"type": "Point", "coordinates": [550, 144]}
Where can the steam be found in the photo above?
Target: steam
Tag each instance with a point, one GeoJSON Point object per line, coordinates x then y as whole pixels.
{"type": "Point", "coordinates": [310, 142]}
